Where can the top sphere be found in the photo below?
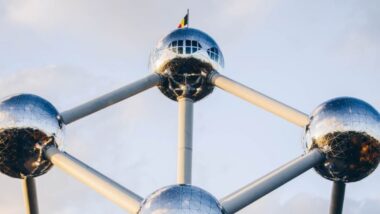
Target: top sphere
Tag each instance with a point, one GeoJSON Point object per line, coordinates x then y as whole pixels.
{"type": "Point", "coordinates": [27, 124]}
{"type": "Point", "coordinates": [347, 131]}
{"type": "Point", "coordinates": [181, 199]}
{"type": "Point", "coordinates": [184, 59]}
{"type": "Point", "coordinates": [186, 43]}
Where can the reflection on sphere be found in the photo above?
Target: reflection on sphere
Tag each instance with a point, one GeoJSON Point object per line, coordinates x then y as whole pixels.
{"type": "Point", "coordinates": [347, 130]}
{"type": "Point", "coordinates": [184, 59]}
{"type": "Point", "coordinates": [180, 199]}
{"type": "Point", "coordinates": [28, 123]}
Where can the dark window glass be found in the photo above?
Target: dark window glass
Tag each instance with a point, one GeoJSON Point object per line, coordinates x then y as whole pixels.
{"type": "Point", "coordinates": [177, 46]}
{"type": "Point", "coordinates": [213, 53]}
{"type": "Point", "coordinates": [189, 47]}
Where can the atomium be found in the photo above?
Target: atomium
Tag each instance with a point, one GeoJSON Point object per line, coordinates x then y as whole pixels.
{"type": "Point", "coordinates": [342, 136]}
{"type": "Point", "coordinates": [347, 130]}
{"type": "Point", "coordinates": [27, 124]}
{"type": "Point", "coordinates": [181, 199]}
{"type": "Point", "coordinates": [184, 59]}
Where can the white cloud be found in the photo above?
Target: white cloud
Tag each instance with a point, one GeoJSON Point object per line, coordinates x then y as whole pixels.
{"type": "Point", "coordinates": [295, 51]}
{"type": "Point", "coordinates": [64, 86]}
{"type": "Point", "coordinates": [114, 20]}
{"type": "Point", "coordinates": [307, 203]}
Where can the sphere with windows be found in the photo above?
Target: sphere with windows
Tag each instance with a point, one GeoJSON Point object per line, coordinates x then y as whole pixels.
{"type": "Point", "coordinates": [185, 58]}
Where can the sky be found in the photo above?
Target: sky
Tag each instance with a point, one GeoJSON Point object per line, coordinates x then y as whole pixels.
{"type": "Point", "coordinates": [302, 53]}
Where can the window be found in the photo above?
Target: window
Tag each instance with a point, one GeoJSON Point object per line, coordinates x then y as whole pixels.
{"type": "Point", "coordinates": [193, 46]}
{"type": "Point", "coordinates": [188, 46]}
{"type": "Point", "coordinates": [213, 53]}
{"type": "Point", "coordinates": [184, 46]}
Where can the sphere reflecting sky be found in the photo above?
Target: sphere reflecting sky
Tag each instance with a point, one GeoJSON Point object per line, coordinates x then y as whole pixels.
{"type": "Point", "coordinates": [180, 199]}
{"type": "Point", "coordinates": [27, 124]}
{"type": "Point", "coordinates": [184, 59]}
{"type": "Point", "coordinates": [347, 130]}
{"type": "Point", "coordinates": [186, 43]}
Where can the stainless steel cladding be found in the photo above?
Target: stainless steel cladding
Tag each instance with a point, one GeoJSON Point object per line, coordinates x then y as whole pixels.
{"type": "Point", "coordinates": [27, 124]}
{"type": "Point", "coordinates": [184, 59]}
{"type": "Point", "coordinates": [347, 130]}
{"type": "Point", "coordinates": [181, 199]}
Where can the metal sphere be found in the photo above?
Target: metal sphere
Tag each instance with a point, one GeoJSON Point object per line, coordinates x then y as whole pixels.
{"type": "Point", "coordinates": [28, 123]}
{"type": "Point", "coordinates": [181, 199]}
{"type": "Point", "coordinates": [347, 131]}
{"type": "Point", "coordinates": [184, 59]}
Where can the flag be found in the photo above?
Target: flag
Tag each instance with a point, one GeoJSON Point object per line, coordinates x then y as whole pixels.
{"type": "Point", "coordinates": [184, 22]}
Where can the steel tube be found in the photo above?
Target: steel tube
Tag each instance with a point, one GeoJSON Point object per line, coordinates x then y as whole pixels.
{"type": "Point", "coordinates": [30, 195]}
{"type": "Point", "coordinates": [259, 99]}
{"type": "Point", "coordinates": [337, 197]}
{"type": "Point", "coordinates": [111, 98]}
{"type": "Point", "coordinates": [257, 189]}
{"type": "Point", "coordinates": [100, 183]}
{"type": "Point", "coordinates": [185, 140]}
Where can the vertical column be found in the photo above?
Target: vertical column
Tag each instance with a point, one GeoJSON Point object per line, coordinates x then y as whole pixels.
{"type": "Point", "coordinates": [185, 140]}
{"type": "Point", "coordinates": [337, 197]}
{"type": "Point", "coordinates": [30, 195]}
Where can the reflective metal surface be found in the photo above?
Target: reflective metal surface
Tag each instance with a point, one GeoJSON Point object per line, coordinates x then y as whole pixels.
{"type": "Point", "coordinates": [27, 124]}
{"type": "Point", "coordinates": [347, 130]}
{"type": "Point", "coordinates": [181, 199]}
{"type": "Point", "coordinates": [184, 59]}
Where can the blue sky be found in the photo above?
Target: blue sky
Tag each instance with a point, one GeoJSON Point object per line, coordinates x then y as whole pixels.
{"type": "Point", "coordinates": [299, 52]}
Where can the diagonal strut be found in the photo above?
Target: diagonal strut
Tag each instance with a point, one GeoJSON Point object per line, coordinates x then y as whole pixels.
{"type": "Point", "coordinates": [259, 99]}
{"type": "Point", "coordinates": [257, 189]}
{"type": "Point", "coordinates": [111, 98]}
{"type": "Point", "coordinates": [92, 178]}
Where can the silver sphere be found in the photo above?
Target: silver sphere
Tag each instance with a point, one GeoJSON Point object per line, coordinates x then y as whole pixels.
{"type": "Point", "coordinates": [181, 199]}
{"type": "Point", "coordinates": [28, 123]}
{"type": "Point", "coordinates": [184, 59]}
{"type": "Point", "coordinates": [347, 131]}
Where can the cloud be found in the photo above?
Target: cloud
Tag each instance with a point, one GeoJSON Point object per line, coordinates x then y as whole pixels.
{"type": "Point", "coordinates": [63, 86]}
{"type": "Point", "coordinates": [114, 20]}
{"type": "Point", "coordinates": [290, 50]}
{"type": "Point", "coordinates": [307, 203]}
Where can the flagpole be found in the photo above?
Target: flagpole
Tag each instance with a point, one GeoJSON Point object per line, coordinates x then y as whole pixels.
{"type": "Point", "coordinates": [188, 18]}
